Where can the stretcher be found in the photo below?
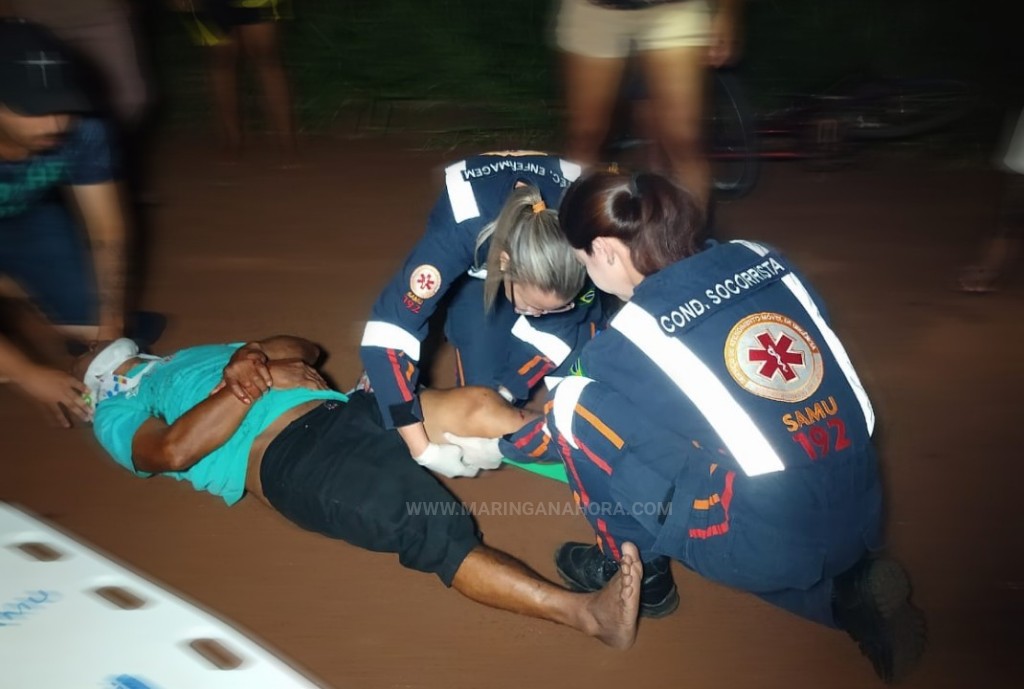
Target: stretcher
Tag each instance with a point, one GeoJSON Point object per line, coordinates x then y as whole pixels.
{"type": "Point", "coordinates": [72, 618]}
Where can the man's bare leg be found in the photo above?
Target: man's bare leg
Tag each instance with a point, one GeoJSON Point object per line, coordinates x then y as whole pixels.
{"type": "Point", "coordinates": [498, 580]}
{"type": "Point", "coordinates": [475, 412]}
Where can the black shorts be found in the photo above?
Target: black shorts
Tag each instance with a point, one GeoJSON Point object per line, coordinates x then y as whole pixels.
{"type": "Point", "coordinates": [227, 14]}
{"type": "Point", "coordinates": [337, 471]}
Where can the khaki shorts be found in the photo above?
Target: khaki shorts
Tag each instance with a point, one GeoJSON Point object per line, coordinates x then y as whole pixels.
{"type": "Point", "coordinates": [586, 29]}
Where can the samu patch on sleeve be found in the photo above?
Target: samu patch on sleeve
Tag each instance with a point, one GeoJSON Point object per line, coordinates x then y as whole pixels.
{"type": "Point", "coordinates": [425, 281]}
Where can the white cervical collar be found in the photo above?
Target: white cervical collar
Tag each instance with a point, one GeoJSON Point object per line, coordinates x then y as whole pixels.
{"type": "Point", "coordinates": [100, 378]}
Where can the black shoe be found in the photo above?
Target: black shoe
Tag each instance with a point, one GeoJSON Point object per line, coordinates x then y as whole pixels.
{"type": "Point", "coordinates": [871, 603]}
{"type": "Point", "coordinates": [585, 568]}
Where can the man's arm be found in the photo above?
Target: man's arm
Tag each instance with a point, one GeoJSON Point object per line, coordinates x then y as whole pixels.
{"type": "Point", "coordinates": [247, 374]}
{"type": "Point", "coordinates": [158, 447]}
{"type": "Point", "coordinates": [103, 215]}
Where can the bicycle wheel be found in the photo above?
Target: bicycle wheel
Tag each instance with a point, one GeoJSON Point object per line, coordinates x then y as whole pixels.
{"type": "Point", "coordinates": [902, 108]}
{"type": "Point", "coordinates": [732, 142]}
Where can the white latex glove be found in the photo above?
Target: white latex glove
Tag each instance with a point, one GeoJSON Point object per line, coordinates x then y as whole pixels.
{"type": "Point", "coordinates": [445, 460]}
{"type": "Point", "coordinates": [477, 452]}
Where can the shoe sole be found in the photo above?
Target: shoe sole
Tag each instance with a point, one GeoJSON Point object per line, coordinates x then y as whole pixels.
{"type": "Point", "coordinates": [888, 586]}
{"type": "Point", "coordinates": [904, 626]}
{"type": "Point", "coordinates": [905, 637]}
{"type": "Point", "coordinates": [652, 611]}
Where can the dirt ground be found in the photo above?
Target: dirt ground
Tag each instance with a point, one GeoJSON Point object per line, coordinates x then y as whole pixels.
{"type": "Point", "coordinates": [248, 251]}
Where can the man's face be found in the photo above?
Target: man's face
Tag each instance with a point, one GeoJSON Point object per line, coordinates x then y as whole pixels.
{"type": "Point", "coordinates": [32, 133]}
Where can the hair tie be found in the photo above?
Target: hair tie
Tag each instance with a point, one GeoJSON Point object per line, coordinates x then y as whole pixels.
{"type": "Point", "coordinates": [539, 206]}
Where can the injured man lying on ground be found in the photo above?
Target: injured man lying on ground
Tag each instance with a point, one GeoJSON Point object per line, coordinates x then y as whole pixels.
{"type": "Point", "coordinates": [259, 419]}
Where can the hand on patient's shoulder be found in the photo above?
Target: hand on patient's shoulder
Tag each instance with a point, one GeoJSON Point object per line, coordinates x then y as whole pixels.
{"type": "Point", "coordinates": [479, 452]}
{"type": "Point", "coordinates": [446, 460]}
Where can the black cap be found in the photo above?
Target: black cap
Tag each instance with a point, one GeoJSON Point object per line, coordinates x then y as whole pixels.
{"type": "Point", "coordinates": [38, 75]}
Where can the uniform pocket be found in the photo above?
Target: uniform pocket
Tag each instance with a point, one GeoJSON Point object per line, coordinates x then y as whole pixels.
{"type": "Point", "coordinates": [756, 557]}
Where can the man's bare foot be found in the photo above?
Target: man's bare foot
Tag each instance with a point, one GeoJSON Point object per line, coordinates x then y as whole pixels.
{"type": "Point", "coordinates": [615, 608]}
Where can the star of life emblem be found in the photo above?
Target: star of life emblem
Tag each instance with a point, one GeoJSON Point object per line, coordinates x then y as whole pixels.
{"type": "Point", "coordinates": [771, 356]}
{"type": "Point", "coordinates": [425, 281]}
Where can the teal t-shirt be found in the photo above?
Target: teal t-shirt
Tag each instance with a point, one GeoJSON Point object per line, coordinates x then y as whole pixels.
{"type": "Point", "coordinates": [175, 385]}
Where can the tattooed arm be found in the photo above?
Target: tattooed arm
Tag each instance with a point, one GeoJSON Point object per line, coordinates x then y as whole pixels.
{"type": "Point", "coordinates": [103, 215]}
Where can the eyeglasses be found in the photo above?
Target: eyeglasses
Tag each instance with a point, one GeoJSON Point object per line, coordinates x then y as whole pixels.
{"type": "Point", "coordinates": [531, 312]}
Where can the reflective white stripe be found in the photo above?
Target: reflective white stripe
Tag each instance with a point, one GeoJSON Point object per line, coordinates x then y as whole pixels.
{"type": "Point", "coordinates": [799, 291]}
{"type": "Point", "coordinates": [546, 343]}
{"type": "Point", "coordinates": [758, 249]}
{"type": "Point", "coordinates": [478, 273]}
{"type": "Point", "coordinates": [567, 394]}
{"type": "Point", "coordinates": [460, 193]}
{"type": "Point", "coordinates": [692, 376]}
{"type": "Point", "coordinates": [390, 336]}
{"type": "Point", "coordinates": [570, 171]}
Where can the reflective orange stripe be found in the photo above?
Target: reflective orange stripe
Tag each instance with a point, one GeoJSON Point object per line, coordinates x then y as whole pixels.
{"type": "Point", "coordinates": [597, 423]}
{"type": "Point", "coordinates": [706, 504]}
{"type": "Point", "coordinates": [723, 526]}
{"type": "Point", "coordinates": [529, 364]}
{"type": "Point", "coordinates": [542, 448]}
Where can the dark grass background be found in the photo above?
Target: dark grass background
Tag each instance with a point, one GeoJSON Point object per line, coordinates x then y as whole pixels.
{"type": "Point", "coordinates": [486, 68]}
